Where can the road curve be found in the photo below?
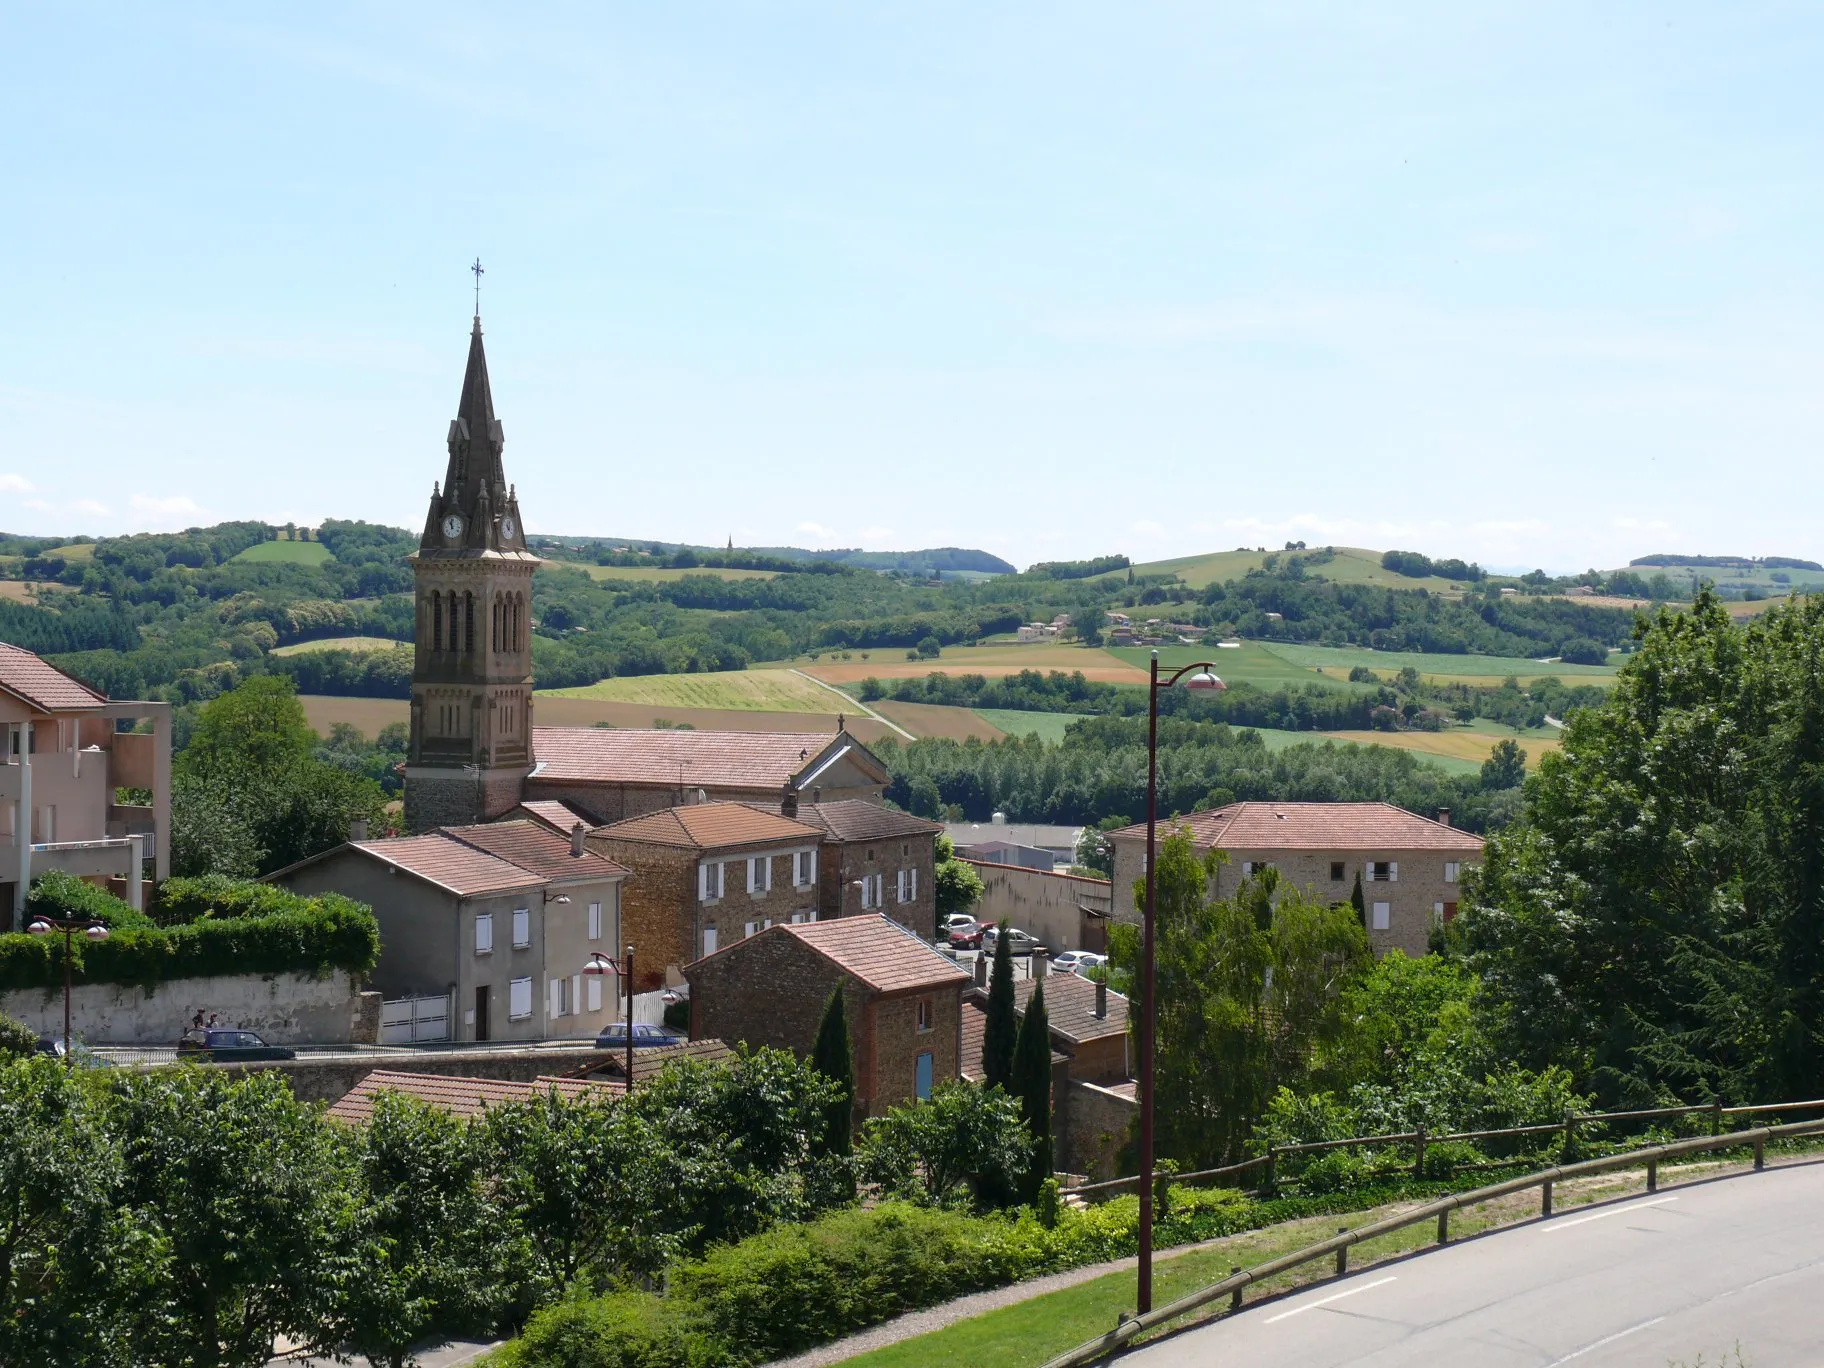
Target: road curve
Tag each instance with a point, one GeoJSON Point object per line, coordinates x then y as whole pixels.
{"type": "Point", "coordinates": [1652, 1280]}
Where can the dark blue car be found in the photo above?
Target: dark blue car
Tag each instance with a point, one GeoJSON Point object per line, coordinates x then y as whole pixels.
{"type": "Point", "coordinates": [644, 1036]}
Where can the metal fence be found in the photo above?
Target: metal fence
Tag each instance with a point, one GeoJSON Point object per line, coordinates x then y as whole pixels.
{"type": "Point", "coordinates": [415, 1020]}
{"type": "Point", "coordinates": [1337, 1247]}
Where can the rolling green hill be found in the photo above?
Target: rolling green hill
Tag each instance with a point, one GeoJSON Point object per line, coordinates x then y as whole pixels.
{"type": "Point", "coordinates": [286, 553]}
{"type": "Point", "coordinates": [1349, 565]}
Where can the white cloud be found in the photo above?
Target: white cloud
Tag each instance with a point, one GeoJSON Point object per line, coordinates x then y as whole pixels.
{"type": "Point", "coordinates": [874, 534]}
{"type": "Point", "coordinates": [1146, 527]}
{"type": "Point", "coordinates": [39, 505]}
{"type": "Point", "coordinates": [91, 507]}
{"type": "Point", "coordinates": [815, 530]}
{"type": "Point", "coordinates": [164, 513]}
{"type": "Point", "coordinates": [15, 484]}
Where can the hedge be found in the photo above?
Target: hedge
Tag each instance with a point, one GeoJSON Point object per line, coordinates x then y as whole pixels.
{"type": "Point", "coordinates": [232, 928]}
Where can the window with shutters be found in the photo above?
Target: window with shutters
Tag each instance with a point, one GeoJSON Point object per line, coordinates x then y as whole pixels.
{"type": "Point", "coordinates": [1383, 915]}
{"type": "Point", "coordinates": [913, 877]}
{"type": "Point", "coordinates": [760, 874]}
{"type": "Point", "coordinates": [595, 921]}
{"type": "Point", "coordinates": [522, 928]}
{"type": "Point", "coordinates": [804, 868]}
{"type": "Point", "coordinates": [1250, 868]}
{"type": "Point", "coordinates": [1383, 871]}
{"type": "Point", "coordinates": [519, 999]}
{"type": "Point", "coordinates": [800, 917]}
{"type": "Point", "coordinates": [1451, 869]}
{"type": "Point", "coordinates": [752, 928]}
{"type": "Point", "coordinates": [899, 886]}
{"type": "Point", "coordinates": [554, 998]}
{"type": "Point", "coordinates": [484, 933]}
{"type": "Point", "coordinates": [595, 992]}
{"type": "Point", "coordinates": [867, 892]}
{"type": "Point", "coordinates": [924, 1015]}
{"type": "Point", "coordinates": [709, 880]}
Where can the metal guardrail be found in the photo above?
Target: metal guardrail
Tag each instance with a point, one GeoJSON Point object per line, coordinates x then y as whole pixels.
{"type": "Point", "coordinates": [1420, 1140]}
{"type": "Point", "coordinates": [1338, 1246]}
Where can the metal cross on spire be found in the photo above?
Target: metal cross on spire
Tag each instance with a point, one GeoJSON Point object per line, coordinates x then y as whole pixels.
{"type": "Point", "coordinates": [479, 272]}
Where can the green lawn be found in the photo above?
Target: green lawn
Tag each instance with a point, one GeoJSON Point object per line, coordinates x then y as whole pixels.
{"type": "Point", "coordinates": [286, 553]}
{"type": "Point", "coordinates": [1452, 764]}
{"type": "Point", "coordinates": [1048, 727]}
{"type": "Point", "coordinates": [654, 574]}
{"type": "Point", "coordinates": [1252, 662]}
{"type": "Point", "coordinates": [1341, 659]}
{"type": "Point", "coordinates": [344, 643]}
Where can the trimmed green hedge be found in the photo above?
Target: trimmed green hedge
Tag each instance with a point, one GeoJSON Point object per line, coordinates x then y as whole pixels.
{"type": "Point", "coordinates": [210, 927]}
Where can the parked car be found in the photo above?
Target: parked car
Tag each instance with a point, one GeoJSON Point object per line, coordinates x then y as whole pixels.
{"type": "Point", "coordinates": [966, 937]}
{"type": "Point", "coordinates": [958, 921]}
{"type": "Point", "coordinates": [645, 1036]}
{"type": "Point", "coordinates": [1022, 942]}
{"type": "Point", "coordinates": [228, 1045]}
{"type": "Point", "coordinates": [1076, 961]}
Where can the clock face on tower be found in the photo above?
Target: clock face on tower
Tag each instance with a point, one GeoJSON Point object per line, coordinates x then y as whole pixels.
{"type": "Point", "coordinates": [506, 528]}
{"type": "Point", "coordinates": [452, 525]}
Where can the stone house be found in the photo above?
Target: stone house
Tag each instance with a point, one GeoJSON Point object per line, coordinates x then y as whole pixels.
{"type": "Point", "coordinates": [62, 761]}
{"type": "Point", "coordinates": [874, 859]}
{"type": "Point", "coordinates": [502, 918]}
{"type": "Point", "coordinates": [1411, 866]}
{"type": "Point", "coordinates": [1088, 1025]}
{"type": "Point", "coordinates": [903, 1000]}
{"type": "Point", "coordinates": [705, 876]}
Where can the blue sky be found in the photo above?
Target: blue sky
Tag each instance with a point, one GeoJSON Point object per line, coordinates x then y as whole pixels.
{"type": "Point", "coordinates": [1534, 284]}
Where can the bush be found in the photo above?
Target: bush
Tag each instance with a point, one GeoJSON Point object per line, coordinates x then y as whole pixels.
{"type": "Point", "coordinates": [237, 929]}
{"type": "Point", "coordinates": [620, 1330]}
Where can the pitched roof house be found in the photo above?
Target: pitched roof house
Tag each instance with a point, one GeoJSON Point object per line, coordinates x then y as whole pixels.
{"type": "Point", "coordinates": [902, 998]}
{"type": "Point", "coordinates": [874, 859]}
{"type": "Point", "coordinates": [62, 759]}
{"type": "Point", "coordinates": [1410, 866]}
{"type": "Point", "coordinates": [501, 918]}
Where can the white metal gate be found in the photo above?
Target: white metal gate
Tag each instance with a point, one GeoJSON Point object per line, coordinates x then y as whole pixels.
{"type": "Point", "coordinates": [409, 1021]}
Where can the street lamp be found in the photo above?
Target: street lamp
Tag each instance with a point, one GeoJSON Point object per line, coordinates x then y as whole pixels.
{"type": "Point", "coordinates": [601, 965]}
{"type": "Point", "coordinates": [1201, 676]}
{"type": "Point", "coordinates": [93, 931]}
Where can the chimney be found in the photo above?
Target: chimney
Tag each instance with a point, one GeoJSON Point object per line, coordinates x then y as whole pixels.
{"type": "Point", "coordinates": [1041, 961]}
{"type": "Point", "coordinates": [576, 839]}
{"type": "Point", "coordinates": [357, 829]}
{"type": "Point", "coordinates": [1101, 999]}
{"type": "Point", "coordinates": [788, 804]}
{"type": "Point", "coordinates": [1444, 816]}
{"type": "Point", "coordinates": [981, 970]}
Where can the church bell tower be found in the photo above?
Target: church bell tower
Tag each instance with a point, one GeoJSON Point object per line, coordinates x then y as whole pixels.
{"type": "Point", "coordinates": [471, 745]}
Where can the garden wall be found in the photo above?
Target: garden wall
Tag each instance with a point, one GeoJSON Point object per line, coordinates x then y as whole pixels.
{"type": "Point", "coordinates": [286, 1009]}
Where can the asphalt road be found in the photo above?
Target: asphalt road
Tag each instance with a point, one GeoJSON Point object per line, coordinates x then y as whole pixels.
{"type": "Point", "coordinates": [1653, 1280]}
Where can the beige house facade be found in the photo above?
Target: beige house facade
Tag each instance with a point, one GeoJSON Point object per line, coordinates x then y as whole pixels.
{"type": "Point", "coordinates": [1411, 867]}
{"type": "Point", "coordinates": [63, 759]}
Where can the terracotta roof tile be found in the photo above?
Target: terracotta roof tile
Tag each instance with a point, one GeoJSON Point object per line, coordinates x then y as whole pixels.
{"type": "Point", "coordinates": [448, 863]}
{"type": "Point", "coordinates": [42, 684]}
{"type": "Point", "coordinates": [712, 826]}
{"type": "Point", "coordinates": [458, 1096]}
{"type": "Point", "coordinates": [1315, 826]}
{"type": "Point", "coordinates": [762, 761]}
{"type": "Point", "coordinates": [560, 817]}
{"type": "Point", "coordinates": [538, 849]}
{"type": "Point", "coordinates": [1070, 1007]}
{"type": "Point", "coordinates": [850, 819]}
{"type": "Point", "coordinates": [879, 953]}
{"type": "Point", "coordinates": [975, 1036]}
{"type": "Point", "coordinates": [649, 1061]}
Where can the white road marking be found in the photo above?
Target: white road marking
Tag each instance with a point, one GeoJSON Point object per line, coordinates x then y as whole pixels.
{"type": "Point", "coordinates": [1325, 1301]}
{"type": "Point", "coordinates": [1607, 1339]}
{"type": "Point", "coordinates": [1604, 1215]}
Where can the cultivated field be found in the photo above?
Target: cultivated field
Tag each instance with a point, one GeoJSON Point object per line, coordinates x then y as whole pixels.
{"type": "Point", "coordinates": [1252, 662]}
{"type": "Point", "coordinates": [1351, 565]}
{"type": "Point", "coordinates": [1455, 743]}
{"type": "Point", "coordinates": [994, 661]}
{"type": "Point", "coordinates": [1278, 740]}
{"type": "Point", "coordinates": [931, 719]}
{"type": "Point", "coordinates": [1468, 669]}
{"type": "Point", "coordinates": [365, 715]}
{"type": "Point", "coordinates": [30, 591]}
{"type": "Point", "coordinates": [653, 574]}
{"type": "Point", "coordinates": [343, 643]}
{"type": "Point", "coordinates": [1048, 727]}
{"type": "Point", "coordinates": [728, 690]}
{"type": "Point", "coordinates": [286, 553]}
{"type": "Point", "coordinates": [75, 553]}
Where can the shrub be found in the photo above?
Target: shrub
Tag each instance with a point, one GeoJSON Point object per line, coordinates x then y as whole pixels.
{"type": "Point", "coordinates": [620, 1330]}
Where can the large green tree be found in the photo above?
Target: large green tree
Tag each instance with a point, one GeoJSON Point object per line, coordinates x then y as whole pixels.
{"type": "Point", "coordinates": [1656, 921]}
{"type": "Point", "coordinates": [1031, 1084]}
{"type": "Point", "coordinates": [249, 795]}
{"type": "Point", "coordinates": [964, 1145]}
{"type": "Point", "coordinates": [1249, 992]}
{"type": "Point", "coordinates": [1001, 1028]}
{"type": "Point", "coordinates": [958, 886]}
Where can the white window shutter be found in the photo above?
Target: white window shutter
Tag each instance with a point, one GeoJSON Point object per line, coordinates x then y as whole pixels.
{"type": "Point", "coordinates": [595, 921]}
{"type": "Point", "coordinates": [914, 880]}
{"type": "Point", "coordinates": [709, 940]}
{"type": "Point", "coordinates": [554, 998]}
{"type": "Point", "coordinates": [484, 933]}
{"type": "Point", "coordinates": [595, 993]}
{"type": "Point", "coordinates": [1393, 872]}
{"type": "Point", "coordinates": [703, 882]}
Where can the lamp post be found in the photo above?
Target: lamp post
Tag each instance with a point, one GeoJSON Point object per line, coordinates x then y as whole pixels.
{"type": "Point", "coordinates": [93, 931]}
{"type": "Point", "coordinates": [600, 965]}
{"type": "Point", "coordinates": [1149, 1007]}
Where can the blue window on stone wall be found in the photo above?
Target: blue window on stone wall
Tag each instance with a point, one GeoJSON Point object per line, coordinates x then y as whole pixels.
{"type": "Point", "coordinates": [921, 1082]}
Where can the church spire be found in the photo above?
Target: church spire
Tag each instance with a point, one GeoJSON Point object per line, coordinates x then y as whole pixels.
{"type": "Point", "coordinates": [471, 512]}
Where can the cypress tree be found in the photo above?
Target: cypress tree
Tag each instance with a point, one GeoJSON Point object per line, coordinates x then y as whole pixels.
{"type": "Point", "coordinates": [1358, 902]}
{"type": "Point", "coordinates": [999, 1030]}
{"type": "Point", "coordinates": [834, 1058]}
{"type": "Point", "coordinates": [1032, 1085]}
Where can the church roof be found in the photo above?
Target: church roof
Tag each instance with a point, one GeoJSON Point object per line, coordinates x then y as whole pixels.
{"type": "Point", "coordinates": [757, 761]}
{"type": "Point", "coordinates": [475, 492]}
{"type": "Point", "coordinates": [712, 826]}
